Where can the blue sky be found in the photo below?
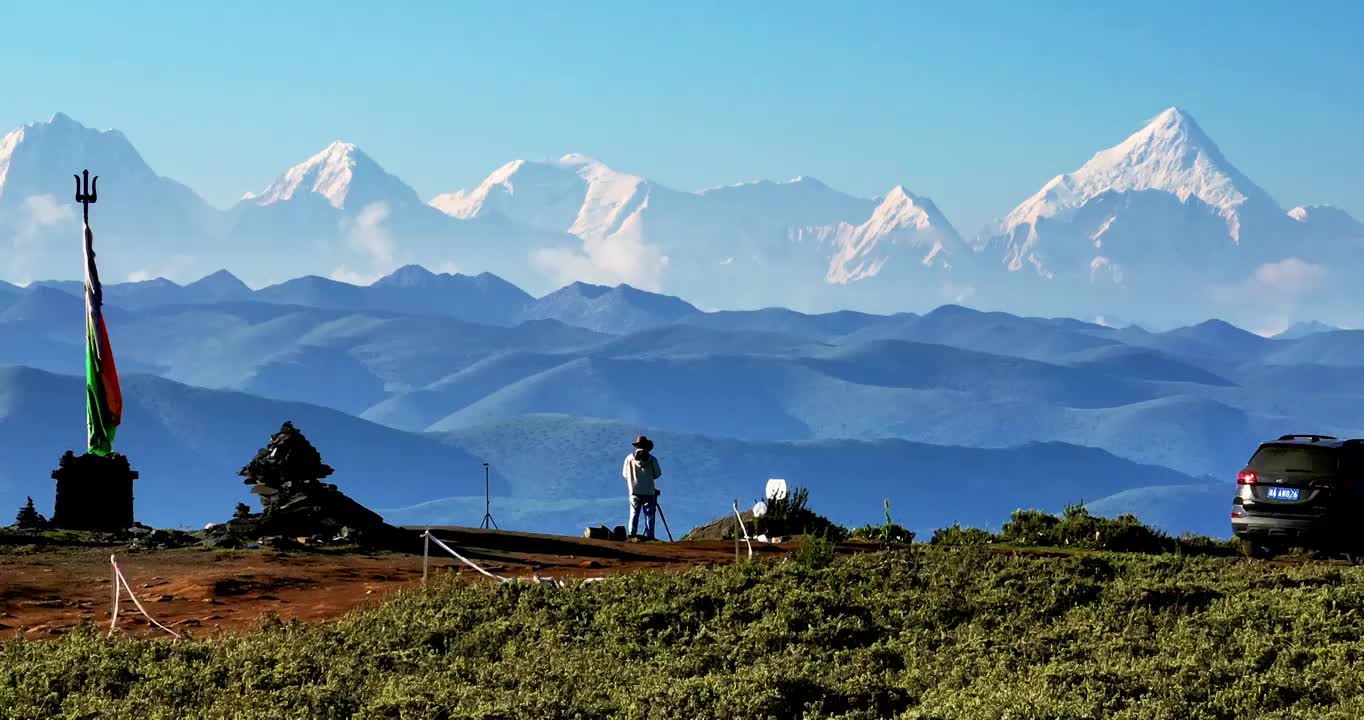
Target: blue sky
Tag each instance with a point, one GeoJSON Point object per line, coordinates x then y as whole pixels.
{"type": "Point", "coordinates": [973, 104]}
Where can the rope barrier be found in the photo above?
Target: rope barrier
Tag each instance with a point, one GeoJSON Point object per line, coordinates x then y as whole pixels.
{"type": "Point", "coordinates": [461, 558]}
{"type": "Point", "coordinates": [121, 582]}
{"type": "Point", "coordinates": [429, 538]}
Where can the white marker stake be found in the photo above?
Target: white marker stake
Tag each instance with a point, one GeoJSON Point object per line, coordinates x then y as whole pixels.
{"type": "Point", "coordinates": [741, 527]}
{"type": "Point", "coordinates": [114, 620]}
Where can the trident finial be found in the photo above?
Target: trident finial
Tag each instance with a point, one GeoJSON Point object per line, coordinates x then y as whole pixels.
{"type": "Point", "coordinates": [87, 194]}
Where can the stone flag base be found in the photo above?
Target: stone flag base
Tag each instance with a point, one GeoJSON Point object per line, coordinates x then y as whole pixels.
{"type": "Point", "coordinates": [93, 492]}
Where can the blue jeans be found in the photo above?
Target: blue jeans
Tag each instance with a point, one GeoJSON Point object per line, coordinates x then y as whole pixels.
{"type": "Point", "coordinates": [647, 503]}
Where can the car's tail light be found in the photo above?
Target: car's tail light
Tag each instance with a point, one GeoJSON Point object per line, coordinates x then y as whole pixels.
{"type": "Point", "coordinates": [1245, 477]}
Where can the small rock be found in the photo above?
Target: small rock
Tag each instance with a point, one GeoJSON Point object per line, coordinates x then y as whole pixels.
{"type": "Point", "coordinates": [165, 598]}
{"type": "Point", "coordinates": [589, 564]}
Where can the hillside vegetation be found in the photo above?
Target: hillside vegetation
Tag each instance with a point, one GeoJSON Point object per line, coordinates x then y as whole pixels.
{"type": "Point", "coordinates": [935, 632]}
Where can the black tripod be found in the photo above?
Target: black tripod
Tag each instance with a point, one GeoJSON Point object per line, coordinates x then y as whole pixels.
{"type": "Point", "coordinates": [487, 502]}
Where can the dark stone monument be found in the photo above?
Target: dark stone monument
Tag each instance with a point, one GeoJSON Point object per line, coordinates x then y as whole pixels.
{"type": "Point", "coordinates": [94, 492]}
{"type": "Point", "coordinates": [287, 476]}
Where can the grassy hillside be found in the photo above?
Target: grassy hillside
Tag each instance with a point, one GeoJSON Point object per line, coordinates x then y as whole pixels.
{"type": "Point", "coordinates": [957, 633]}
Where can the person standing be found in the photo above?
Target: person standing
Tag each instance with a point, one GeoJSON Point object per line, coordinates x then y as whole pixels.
{"type": "Point", "coordinates": [640, 471]}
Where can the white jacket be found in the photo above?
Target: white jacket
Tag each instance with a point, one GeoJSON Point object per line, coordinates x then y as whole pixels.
{"type": "Point", "coordinates": [640, 476]}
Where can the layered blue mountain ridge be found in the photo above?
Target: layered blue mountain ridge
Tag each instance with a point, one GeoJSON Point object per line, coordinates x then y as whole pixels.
{"type": "Point", "coordinates": [407, 385]}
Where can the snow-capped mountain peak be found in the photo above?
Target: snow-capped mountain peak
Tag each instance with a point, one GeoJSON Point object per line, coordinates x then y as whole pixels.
{"type": "Point", "coordinates": [37, 160]}
{"type": "Point", "coordinates": [36, 146]}
{"type": "Point", "coordinates": [901, 219]}
{"type": "Point", "coordinates": [546, 194]}
{"type": "Point", "coordinates": [342, 174]}
{"type": "Point", "coordinates": [7, 145]}
{"type": "Point", "coordinates": [1328, 222]}
{"type": "Point", "coordinates": [900, 208]}
{"type": "Point", "coordinates": [1171, 153]}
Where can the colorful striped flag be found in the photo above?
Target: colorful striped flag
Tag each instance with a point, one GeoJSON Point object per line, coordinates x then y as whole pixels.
{"type": "Point", "coordinates": [103, 399]}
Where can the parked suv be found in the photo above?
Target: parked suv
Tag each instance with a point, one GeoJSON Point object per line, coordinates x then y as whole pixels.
{"type": "Point", "coordinates": [1301, 491]}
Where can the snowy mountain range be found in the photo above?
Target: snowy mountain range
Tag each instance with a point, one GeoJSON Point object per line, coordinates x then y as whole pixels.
{"type": "Point", "coordinates": [1158, 228]}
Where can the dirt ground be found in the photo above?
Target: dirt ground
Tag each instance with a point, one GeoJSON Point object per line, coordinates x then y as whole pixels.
{"type": "Point", "coordinates": [45, 592]}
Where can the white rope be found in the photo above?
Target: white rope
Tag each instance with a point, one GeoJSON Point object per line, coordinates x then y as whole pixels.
{"type": "Point", "coordinates": [534, 578]}
{"type": "Point", "coordinates": [741, 527]}
{"type": "Point", "coordinates": [461, 558]}
{"type": "Point", "coordinates": [120, 581]}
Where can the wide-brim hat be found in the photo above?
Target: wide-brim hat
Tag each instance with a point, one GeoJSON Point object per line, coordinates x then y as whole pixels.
{"type": "Point", "coordinates": [643, 443]}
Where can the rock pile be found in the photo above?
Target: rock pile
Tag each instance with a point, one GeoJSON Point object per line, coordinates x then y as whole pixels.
{"type": "Point", "coordinates": [297, 507]}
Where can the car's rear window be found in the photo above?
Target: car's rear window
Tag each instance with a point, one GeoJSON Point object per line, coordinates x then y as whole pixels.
{"type": "Point", "coordinates": [1290, 458]}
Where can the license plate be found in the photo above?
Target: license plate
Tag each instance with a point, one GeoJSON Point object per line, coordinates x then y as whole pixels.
{"type": "Point", "coordinates": [1282, 493]}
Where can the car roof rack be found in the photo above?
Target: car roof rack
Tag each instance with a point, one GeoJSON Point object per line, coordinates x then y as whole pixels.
{"type": "Point", "coordinates": [1313, 438]}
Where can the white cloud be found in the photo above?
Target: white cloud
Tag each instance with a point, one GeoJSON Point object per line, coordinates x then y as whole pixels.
{"type": "Point", "coordinates": [621, 258]}
{"type": "Point", "coordinates": [371, 245]}
{"type": "Point", "coordinates": [1291, 275]}
{"type": "Point", "coordinates": [346, 275]}
{"type": "Point", "coordinates": [1268, 300]}
{"type": "Point", "coordinates": [30, 236]}
{"type": "Point", "coordinates": [958, 294]}
{"type": "Point", "coordinates": [177, 268]}
{"type": "Point", "coordinates": [44, 210]}
{"type": "Point", "coordinates": [367, 234]}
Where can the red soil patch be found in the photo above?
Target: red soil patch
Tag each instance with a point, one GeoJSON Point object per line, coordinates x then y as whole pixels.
{"type": "Point", "coordinates": [48, 592]}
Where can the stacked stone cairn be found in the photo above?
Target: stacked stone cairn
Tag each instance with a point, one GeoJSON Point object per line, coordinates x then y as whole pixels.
{"type": "Point", "coordinates": [297, 507]}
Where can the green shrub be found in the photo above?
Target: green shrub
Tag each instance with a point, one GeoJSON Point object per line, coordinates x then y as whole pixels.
{"type": "Point", "coordinates": [887, 535]}
{"type": "Point", "coordinates": [814, 552]}
{"type": "Point", "coordinates": [1076, 528]}
{"type": "Point", "coordinates": [958, 535]}
{"type": "Point", "coordinates": [791, 515]}
{"type": "Point", "coordinates": [935, 633]}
